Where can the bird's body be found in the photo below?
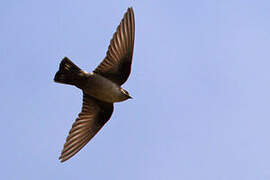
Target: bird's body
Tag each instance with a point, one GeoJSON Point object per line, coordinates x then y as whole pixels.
{"type": "Point", "coordinates": [101, 88]}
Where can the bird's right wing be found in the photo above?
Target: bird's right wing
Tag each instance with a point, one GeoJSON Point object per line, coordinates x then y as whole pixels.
{"type": "Point", "coordinates": [94, 115]}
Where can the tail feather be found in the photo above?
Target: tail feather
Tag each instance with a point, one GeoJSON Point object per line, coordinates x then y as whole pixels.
{"type": "Point", "coordinates": [68, 72]}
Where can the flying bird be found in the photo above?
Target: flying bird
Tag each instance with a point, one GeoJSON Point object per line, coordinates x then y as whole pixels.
{"type": "Point", "coordinates": [101, 88]}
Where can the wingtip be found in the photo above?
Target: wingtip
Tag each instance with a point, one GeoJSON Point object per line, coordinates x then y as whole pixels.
{"type": "Point", "coordinates": [130, 8]}
{"type": "Point", "coordinates": [61, 159]}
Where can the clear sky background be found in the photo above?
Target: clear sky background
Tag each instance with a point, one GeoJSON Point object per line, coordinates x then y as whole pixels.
{"type": "Point", "coordinates": [200, 82]}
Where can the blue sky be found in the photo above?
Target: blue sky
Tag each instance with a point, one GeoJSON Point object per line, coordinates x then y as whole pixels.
{"type": "Point", "coordinates": [200, 82]}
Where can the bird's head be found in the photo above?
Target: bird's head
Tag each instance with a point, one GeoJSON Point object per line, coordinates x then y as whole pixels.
{"type": "Point", "coordinates": [125, 93]}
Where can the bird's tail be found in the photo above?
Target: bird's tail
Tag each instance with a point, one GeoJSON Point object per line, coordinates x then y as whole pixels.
{"type": "Point", "coordinates": [68, 73]}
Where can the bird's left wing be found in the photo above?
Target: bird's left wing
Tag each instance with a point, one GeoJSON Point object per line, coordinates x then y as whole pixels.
{"type": "Point", "coordinates": [117, 63]}
{"type": "Point", "coordinates": [94, 115]}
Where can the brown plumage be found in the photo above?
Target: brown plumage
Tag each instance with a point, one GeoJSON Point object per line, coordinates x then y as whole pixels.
{"type": "Point", "coordinates": [116, 64]}
{"type": "Point", "coordinates": [101, 88]}
{"type": "Point", "coordinates": [93, 116]}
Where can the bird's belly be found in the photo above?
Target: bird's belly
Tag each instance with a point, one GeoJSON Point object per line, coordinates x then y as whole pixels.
{"type": "Point", "coordinates": [102, 89]}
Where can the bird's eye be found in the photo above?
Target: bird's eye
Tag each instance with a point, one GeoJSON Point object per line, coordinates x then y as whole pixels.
{"type": "Point", "coordinates": [124, 91]}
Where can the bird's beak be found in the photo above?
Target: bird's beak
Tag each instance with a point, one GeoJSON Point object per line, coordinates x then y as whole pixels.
{"type": "Point", "coordinates": [130, 97]}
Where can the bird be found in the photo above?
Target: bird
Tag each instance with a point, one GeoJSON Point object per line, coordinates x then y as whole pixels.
{"type": "Point", "coordinates": [101, 88]}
